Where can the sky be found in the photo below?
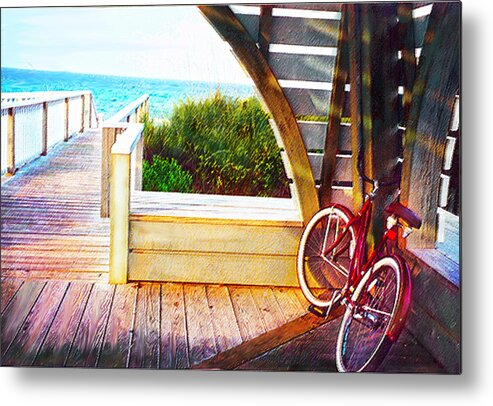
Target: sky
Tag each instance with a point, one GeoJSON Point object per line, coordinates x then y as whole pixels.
{"type": "Point", "coordinates": [166, 42]}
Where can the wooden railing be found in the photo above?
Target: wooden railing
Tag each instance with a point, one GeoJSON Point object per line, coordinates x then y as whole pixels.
{"type": "Point", "coordinates": [31, 123]}
{"type": "Point", "coordinates": [126, 174]}
{"type": "Point", "coordinates": [112, 128]}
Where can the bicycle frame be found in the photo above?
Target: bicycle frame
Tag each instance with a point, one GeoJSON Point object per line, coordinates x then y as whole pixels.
{"type": "Point", "coordinates": [358, 265]}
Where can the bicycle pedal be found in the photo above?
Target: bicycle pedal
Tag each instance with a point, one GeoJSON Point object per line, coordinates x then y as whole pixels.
{"type": "Point", "coordinates": [318, 311]}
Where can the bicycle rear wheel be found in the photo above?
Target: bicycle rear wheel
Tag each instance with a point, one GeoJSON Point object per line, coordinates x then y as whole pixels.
{"type": "Point", "coordinates": [320, 274]}
{"type": "Point", "coordinates": [374, 320]}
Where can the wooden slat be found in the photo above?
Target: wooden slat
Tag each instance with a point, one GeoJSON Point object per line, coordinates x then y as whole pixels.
{"type": "Point", "coordinates": [24, 348]}
{"type": "Point", "coordinates": [304, 31]}
{"type": "Point", "coordinates": [317, 68]}
{"type": "Point", "coordinates": [226, 331]}
{"type": "Point", "coordinates": [200, 267]}
{"type": "Point", "coordinates": [9, 288]}
{"type": "Point", "coordinates": [289, 303]}
{"type": "Point", "coordinates": [15, 315]}
{"type": "Point", "coordinates": [55, 348]}
{"type": "Point", "coordinates": [268, 307]}
{"type": "Point", "coordinates": [174, 344]}
{"type": "Point", "coordinates": [145, 347]}
{"type": "Point", "coordinates": [308, 102]}
{"type": "Point", "coordinates": [201, 341]}
{"type": "Point", "coordinates": [420, 26]}
{"type": "Point", "coordinates": [265, 29]}
{"type": "Point", "coordinates": [250, 23]}
{"type": "Point", "coordinates": [246, 312]}
{"type": "Point", "coordinates": [408, 58]}
{"type": "Point", "coordinates": [90, 334]}
{"type": "Point", "coordinates": [115, 351]}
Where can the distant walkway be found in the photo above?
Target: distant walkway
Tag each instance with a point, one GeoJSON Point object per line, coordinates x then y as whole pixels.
{"type": "Point", "coordinates": [51, 226]}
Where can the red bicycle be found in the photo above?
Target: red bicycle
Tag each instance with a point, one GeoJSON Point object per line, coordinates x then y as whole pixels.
{"type": "Point", "coordinates": [333, 268]}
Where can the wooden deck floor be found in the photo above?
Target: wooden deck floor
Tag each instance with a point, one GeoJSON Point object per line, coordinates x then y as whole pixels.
{"type": "Point", "coordinates": [57, 308]}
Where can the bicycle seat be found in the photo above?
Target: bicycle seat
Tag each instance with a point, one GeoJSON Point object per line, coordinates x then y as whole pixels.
{"type": "Point", "coordinates": [404, 213]}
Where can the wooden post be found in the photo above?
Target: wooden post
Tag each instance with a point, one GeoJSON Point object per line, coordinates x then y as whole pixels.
{"type": "Point", "coordinates": [44, 130]}
{"type": "Point", "coordinates": [90, 109]}
{"type": "Point", "coordinates": [83, 113]}
{"type": "Point", "coordinates": [139, 151]}
{"type": "Point", "coordinates": [11, 141]}
{"type": "Point", "coordinates": [264, 31]}
{"type": "Point", "coordinates": [378, 100]}
{"type": "Point", "coordinates": [108, 139]}
{"type": "Point", "coordinates": [119, 225]}
{"type": "Point", "coordinates": [336, 107]}
{"type": "Point", "coordinates": [435, 87]}
{"type": "Point", "coordinates": [67, 119]}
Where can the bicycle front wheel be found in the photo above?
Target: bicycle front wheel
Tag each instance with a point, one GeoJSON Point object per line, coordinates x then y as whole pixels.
{"type": "Point", "coordinates": [320, 272]}
{"type": "Point", "coordinates": [376, 316]}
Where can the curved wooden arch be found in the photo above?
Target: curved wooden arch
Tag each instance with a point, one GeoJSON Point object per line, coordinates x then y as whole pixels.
{"type": "Point", "coordinates": [231, 30]}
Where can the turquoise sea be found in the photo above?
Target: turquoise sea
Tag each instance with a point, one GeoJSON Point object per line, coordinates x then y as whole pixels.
{"type": "Point", "coordinates": [111, 93]}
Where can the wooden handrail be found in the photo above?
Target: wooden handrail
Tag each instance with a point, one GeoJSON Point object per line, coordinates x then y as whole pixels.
{"type": "Point", "coordinates": [129, 109]}
{"type": "Point", "coordinates": [127, 142]}
{"type": "Point", "coordinates": [37, 100]}
{"type": "Point", "coordinates": [112, 128]}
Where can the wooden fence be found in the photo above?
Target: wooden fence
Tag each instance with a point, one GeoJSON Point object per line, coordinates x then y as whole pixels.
{"type": "Point", "coordinates": [31, 123]}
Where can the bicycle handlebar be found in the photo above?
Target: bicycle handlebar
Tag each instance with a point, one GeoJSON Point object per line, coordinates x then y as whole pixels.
{"type": "Point", "coordinates": [380, 183]}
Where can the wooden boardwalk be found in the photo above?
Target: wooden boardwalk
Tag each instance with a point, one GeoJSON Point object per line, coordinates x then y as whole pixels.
{"type": "Point", "coordinates": [57, 308]}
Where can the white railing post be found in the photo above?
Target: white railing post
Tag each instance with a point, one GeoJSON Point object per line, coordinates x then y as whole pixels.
{"type": "Point", "coordinates": [44, 130]}
{"type": "Point", "coordinates": [67, 119]}
{"type": "Point", "coordinates": [11, 141]}
{"type": "Point", "coordinates": [119, 220]}
{"type": "Point", "coordinates": [82, 113]}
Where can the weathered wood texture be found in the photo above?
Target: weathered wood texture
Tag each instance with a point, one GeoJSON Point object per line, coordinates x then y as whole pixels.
{"type": "Point", "coordinates": [50, 215]}
{"type": "Point", "coordinates": [169, 325]}
{"type": "Point", "coordinates": [435, 88]}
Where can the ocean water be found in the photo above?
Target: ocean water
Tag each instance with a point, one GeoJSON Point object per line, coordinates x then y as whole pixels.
{"type": "Point", "coordinates": [111, 93]}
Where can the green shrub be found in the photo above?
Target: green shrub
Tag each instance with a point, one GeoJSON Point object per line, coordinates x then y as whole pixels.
{"type": "Point", "coordinates": [226, 143]}
{"type": "Point", "coordinates": [165, 175]}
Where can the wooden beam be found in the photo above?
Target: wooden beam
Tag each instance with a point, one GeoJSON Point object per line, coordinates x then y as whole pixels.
{"type": "Point", "coordinates": [11, 141]}
{"type": "Point", "coordinates": [376, 87]}
{"type": "Point", "coordinates": [245, 48]}
{"type": "Point", "coordinates": [408, 54]}
{"type": "Point", "coordinates": [434, 90]}
{"type": "Point", "coordinates": [338, 96]}
{"type": "Point", "coordinates": [264, 31]}
{"type": "Point", "coordinates": [263, 343]}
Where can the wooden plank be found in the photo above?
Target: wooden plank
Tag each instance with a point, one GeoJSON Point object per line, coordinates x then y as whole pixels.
{"type": "Point", "coordinates": [246, 312]}
{"type": "Point", "coordinates": [259, 345]}
{"type": "Point", "coordinates": [268, 307]}
{"type": "Point", "coordinates": [305, 31]}
{"type": "Point", "coordinates": [66, 135]}
{"type": "Point", "coordinates": [115, 351]}
{"type": "Point", "coordinates": [214, 238]}
{"type": "Point", "coordinates": [231, 30]}
{"type": "Point", "coordinates": [265, 29]}
{"type": "Point", "coordinates": [9, 288]}
{"type": "Point", "coordinates": [14, 316]}
{"type": "Point", "coordinates": [44, 130]}
{"type": "Point", "coordinates": [250, 23]}
{"type": "Point", "coordinates": [289, 303]}
{"type": "Point", "coordinates": [200, 267]}
{"type": "Point", "coordinates": [408, 54]}
{"type": "Point", "coordinates": [434, 93]}
{"type": "Point", "coordinates": [56, 346]}
{"type": "Point", "coordinates": [420, 26]}
{"type": "Point", "coordinates": [174, 345]}
{"type": "Point", "coordinates": [201, 340]}
{"type": "Point", "coordinates": [308, 102]}
{"type": "Point", "coordinates": [145, 348]}
{"type": "Point", "coordinates": [90, 334]}
{"type": "Point", "coordinates": [226, 331]}
{"type": "Point", "coordinates": [23, 349]}
{"type": "Point", "coordinates": [317, 68]}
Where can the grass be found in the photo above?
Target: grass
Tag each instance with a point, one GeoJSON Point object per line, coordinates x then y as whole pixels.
{"type": "Point", "coordinates": [225, 144]}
